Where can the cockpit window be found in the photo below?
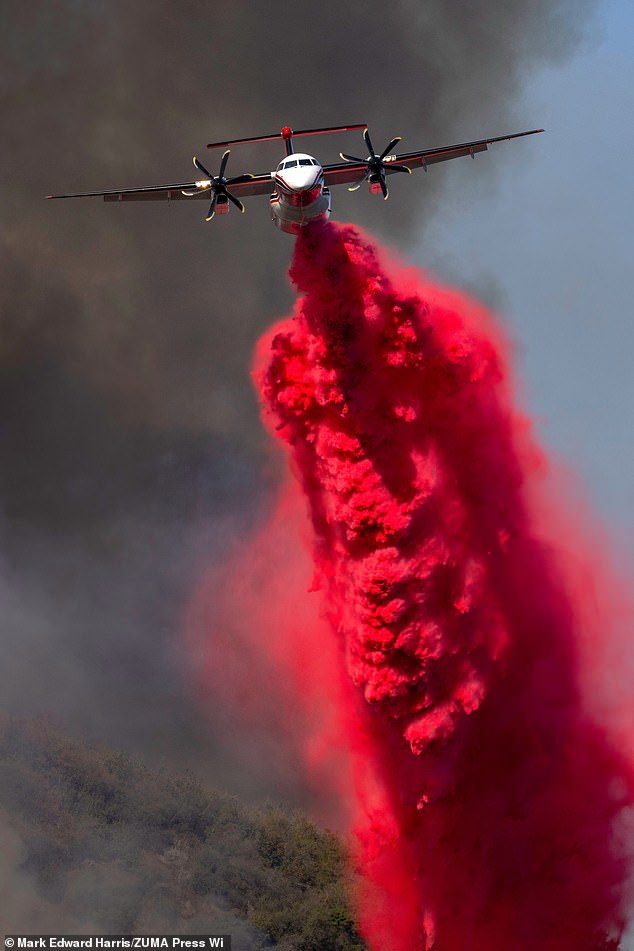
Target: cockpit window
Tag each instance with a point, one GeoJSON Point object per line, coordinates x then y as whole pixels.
{"type": "Point", "coordinates": [314, 161]}
{"type": "Point", "coordinates": [305, 161]}
{"type": "Point", "coordinates": [290, 164]}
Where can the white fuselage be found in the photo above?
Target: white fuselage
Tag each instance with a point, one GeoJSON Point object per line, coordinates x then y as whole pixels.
{"type": "Point", "coordinates": [299, 196]}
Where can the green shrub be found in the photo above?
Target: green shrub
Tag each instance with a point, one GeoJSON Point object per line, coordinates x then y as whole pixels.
{"type": "Point", "coordinates": [113, 846]}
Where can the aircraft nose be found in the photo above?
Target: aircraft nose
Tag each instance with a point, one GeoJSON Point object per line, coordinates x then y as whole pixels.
{"type": "Point", "coordinates": [302, 177]}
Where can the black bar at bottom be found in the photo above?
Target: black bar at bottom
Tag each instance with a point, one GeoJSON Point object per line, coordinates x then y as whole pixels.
{"type": "Point", "coordinates": [117, 942]}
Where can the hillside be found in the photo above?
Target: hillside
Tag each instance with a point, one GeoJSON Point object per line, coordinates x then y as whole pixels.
{"type": "Point", "coordinates": [95, 842]}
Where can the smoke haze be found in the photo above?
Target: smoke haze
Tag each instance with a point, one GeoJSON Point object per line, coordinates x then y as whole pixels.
{"type": "Point", "coordinates": [132, 447]}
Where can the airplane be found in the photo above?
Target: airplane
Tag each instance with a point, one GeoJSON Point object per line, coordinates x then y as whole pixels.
{"type": "Point", "coordinates": [299, 188]}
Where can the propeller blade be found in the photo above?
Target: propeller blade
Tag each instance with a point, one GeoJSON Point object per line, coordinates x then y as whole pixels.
{"type": "Point", "coordinates": [240, 179]}
{"type": "Point", "coordinates": [352, 158]}
{"type": "Point", "coordinates": [190, 192]}
{"type": "Point", "coordinates": [398, 168]}
{"type": "Point", "coordinates": [388, 148]}
{"type": "Point", "coordinates": [368, 141]}
{"type": "Point", "coordinates": [353, 188]}
{"type": "Point", "coordinates": [384, 188]}
{"type": "Point", "coordinates": [212, 208]}
{"type": "Point", "coordinates": [236, 201]}
{"type": "Point", "coordinates": [201, 168]}
{"type": "Point", "coordinates": [223, 163]}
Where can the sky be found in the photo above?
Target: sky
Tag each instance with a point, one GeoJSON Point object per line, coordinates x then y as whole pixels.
{"type": "Point", "coordinates": [550, 245]}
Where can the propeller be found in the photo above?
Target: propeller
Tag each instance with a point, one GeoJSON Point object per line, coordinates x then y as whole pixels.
{"type": "Point", "coordinates": [218, 186]}
{"type": "Point", "coordinates": [375, 164]}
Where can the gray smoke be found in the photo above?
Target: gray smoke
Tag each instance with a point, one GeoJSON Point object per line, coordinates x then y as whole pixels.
{"type": "Point", "coordinates": [130, 440]}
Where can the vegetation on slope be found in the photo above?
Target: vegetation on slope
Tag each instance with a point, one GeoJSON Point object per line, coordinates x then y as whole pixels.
{"type": "Point", "coordinates": [106, 845]}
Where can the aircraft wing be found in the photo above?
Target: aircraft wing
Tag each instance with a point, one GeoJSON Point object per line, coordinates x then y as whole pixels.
{"type": "Point", "coordinates": [347, 172]}
{"type": "Point", "coordinates": [258, 185]}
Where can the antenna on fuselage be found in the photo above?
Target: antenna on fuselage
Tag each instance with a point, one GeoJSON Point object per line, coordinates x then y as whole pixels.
{"type": "Point", "coordinates": [287, 134]}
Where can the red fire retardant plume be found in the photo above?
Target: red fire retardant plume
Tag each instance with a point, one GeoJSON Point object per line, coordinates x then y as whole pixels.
{"type": "Point", "coordinates": [492, 820]}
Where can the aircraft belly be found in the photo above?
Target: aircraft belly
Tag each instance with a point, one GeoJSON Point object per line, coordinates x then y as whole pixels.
{"type": "Point", "coordinates": [292, 218]}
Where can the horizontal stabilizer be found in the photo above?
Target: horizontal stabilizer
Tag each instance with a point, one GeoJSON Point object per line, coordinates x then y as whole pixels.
{"type": "Point", "coordinates": [286, 133]}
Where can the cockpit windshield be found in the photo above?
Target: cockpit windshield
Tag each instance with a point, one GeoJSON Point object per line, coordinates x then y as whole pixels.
{"type": "Point", "coordinates": [293, 163]}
